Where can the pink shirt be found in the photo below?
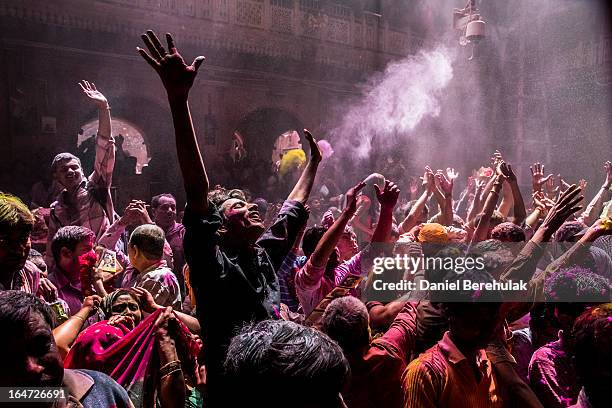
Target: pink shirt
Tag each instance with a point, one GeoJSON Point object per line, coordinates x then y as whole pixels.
{"type": "Point", "coordinates": [311, 284]}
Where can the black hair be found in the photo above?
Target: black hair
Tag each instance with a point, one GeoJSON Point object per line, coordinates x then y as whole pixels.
{"type": "Point", "coordinates": [107, 302]}
{"type": "Point", "coordinates": [15, 309]}
{"type": "Point", "coordinates": [292, 357]}
{"type": "Point", "coordinates": [464, 293]}
{"type": "Point", "coordinates": [69, 237]}
{"type": "Point", "coordinates": [592, 334]}
{"type": "Point", "coordinates": [508, 232]}
{"type": "Point", "coordinates": [312, 236]}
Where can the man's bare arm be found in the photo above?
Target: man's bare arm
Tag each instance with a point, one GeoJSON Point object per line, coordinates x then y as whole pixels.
{"type": "Point", "coordinates": [177, 78]}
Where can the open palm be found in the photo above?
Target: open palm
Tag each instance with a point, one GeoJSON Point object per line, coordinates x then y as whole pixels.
{"type": "Point", "coordinates": [89, 89]}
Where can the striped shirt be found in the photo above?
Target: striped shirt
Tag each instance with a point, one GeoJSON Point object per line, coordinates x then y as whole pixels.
{"type": "Point", "coordinates": [443, 377]}
{"type": "Point", "coordinates": [91, 205]}
{"type": "Point", "coordinates": [159, 280]}
{"type": "Point", "coordinates": [27, 279]}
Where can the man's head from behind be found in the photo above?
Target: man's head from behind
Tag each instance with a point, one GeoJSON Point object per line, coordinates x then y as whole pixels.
{"type": "Point", "coordinates": [311, 239]}
{"type": "Point", "coordinates": [473, 311]}
{"type": "Point", "coordinates": [31, 357]}
{"type": "Point", "coordinates": [572, 290]}
{"type": "Point", "coordinates": [146, 246]}
{"type": "Point", "coordinates": [242, 223]}
{"type": "Point", "coordinates": [508, 232]}
{"type": "Point", "coordinates": [592, 334]}
{"type": "Point", "coordinates": [305, 366]}
{"type": "Point", "coordinates": [346, 321]}
{"type": "Point", "coordinates": [16, 223]}
{"type": "Point", "coordinates": [67, 170]}
{"type": "Point", "coordinates": [68, 244]}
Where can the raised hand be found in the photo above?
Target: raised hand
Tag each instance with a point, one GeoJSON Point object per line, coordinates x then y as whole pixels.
{"type": "Point", "coordinates": [451, 174]}
{"type": "Point", "coordinates": [537, 176]}
{"type": "Point", "coordinates": [136, 213]}
{"type": "Point", "coordinates": [47, 289]}
{"type": "Point", "coordinates": [145, 298]}
{"type": "Point", "coordinates": [89, 89]}
{"type": "Point", "coordinates": [429, 181]}
{"type": "Point", "coordinates": [603, 226]}
{"type": "Point", "coordinates": [166, 323]}
{"type": "Point", "coordinates": [506, 171]}
{"type": "Point", "coordinates": [471, 182]}
{"type": "Point", "coordinates": [387, 197]}
{"type": "Point", "coordinates": [564, 185]}
{"type": "Point", "coordinates": [413, 186]}
{"type": "Point", "coordinates": [92, 302]}
{"type": "Point", "coordinates": [565, 206]}
{"type": "Point", "coordinates": [479, 184]}
{"type": "Point", "coordinates": [608, 169]}
{"type": "Point", "coordinates": [351, 196]}
{"type": "Point", "coordinates": [496, 158]}
{"type": "Point", "coordinates": [445, 184]}
{"type": "Point", "coordinates": [175, 74]}
{"type": "Point", "coordinates": [315, 151]}
{"type": "Point", "coordinates": [542, 202]}
{"type": "Point", "coordinates": [551, 190]}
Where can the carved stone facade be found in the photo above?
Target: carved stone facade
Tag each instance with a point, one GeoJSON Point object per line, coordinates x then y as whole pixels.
{"type": "Point", "coordinates": [298, 56]}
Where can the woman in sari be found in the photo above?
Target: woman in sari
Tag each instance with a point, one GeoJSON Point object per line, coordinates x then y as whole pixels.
{"type": "Point", "coordinates": [153, 358]}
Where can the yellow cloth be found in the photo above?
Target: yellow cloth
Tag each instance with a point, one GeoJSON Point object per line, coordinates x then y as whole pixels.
{"type": "Point", "coordinates": [433, 233]}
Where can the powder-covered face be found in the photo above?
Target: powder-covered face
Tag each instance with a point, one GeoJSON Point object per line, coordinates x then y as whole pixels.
{"type": "Point", "coordinates": [242, 218]}
{"type": "Point", "coordinates": [347, 245]}
{"type": "Point", "coordinates": [31, 356]}
{"type": "Point", "coordinates": [69, 173]}
{"type": "Point", "coordinates": [14, 249]}
{"type": "Point", "coordinates": [126, 305]}
{"type": "Point", "coordinates": [164, 214]}
{"type": "Point", "coordinates": [69, 260]}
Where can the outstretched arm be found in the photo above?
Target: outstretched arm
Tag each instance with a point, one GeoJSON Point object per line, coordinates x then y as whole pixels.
{"type": "Point", "coordinates": [177, 78]}
{"type": "Point", "coordinates": [330, 239]}
{"type": "Point", "coordinates": [417, 209]}
{"type": "Point", "coordinates": [596, 205]}
{"type": "Point", "coordinates": [387, 197]}
{"type": "Point", "coordinates": [302, 188]}
{"type": "Point", "coordinates": [446, 187]}
{"type": "Point", "coordinates": [105, 148]}
{"type": "Point", "coordinates": [518, 204]}
{"type": "Point", "coordinates": [483, 226]}
{"type": "Point", "coordinates": [67, 332]}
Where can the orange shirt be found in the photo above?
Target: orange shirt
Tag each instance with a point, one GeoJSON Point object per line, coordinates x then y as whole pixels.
{"type": "Point", "coordinates": [442, 377]}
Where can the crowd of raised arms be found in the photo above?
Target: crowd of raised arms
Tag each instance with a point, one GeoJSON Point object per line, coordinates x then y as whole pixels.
{"type": "Point", "coordinates": [238, 302]}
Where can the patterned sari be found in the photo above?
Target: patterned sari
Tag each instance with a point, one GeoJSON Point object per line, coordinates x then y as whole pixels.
{"type": "Point", "coordinates": [130, 357]}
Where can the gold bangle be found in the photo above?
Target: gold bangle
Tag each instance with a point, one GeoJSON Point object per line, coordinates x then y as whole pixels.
{"type": "Point", "coordinates": [169, 368]}
{"type": "Point", "coordinates": [176, 370]}
{"type": "Point", "coordinates": [78, 317]}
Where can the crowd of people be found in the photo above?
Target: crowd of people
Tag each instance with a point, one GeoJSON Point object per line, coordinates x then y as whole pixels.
{"type": "Point", "coordinates": [241, 302]}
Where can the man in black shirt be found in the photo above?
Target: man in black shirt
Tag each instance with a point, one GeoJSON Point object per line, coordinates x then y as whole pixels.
{"type": "Point", "coordinates": [232, 260]}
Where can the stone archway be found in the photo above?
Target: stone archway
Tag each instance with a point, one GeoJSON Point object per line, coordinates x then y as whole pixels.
{"type": "Point", "coordinates": [256, 137]}
{"type": "Point", "coordinates": [261, 128]}
{"type": "Point", "coordinates": [128, 137]}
